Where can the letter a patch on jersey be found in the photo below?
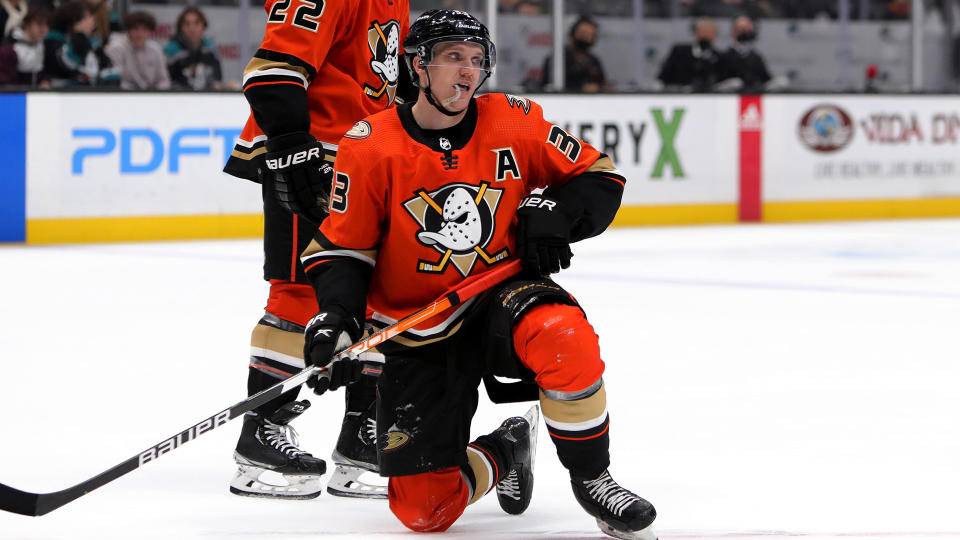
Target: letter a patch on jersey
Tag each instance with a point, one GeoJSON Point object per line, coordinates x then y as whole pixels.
{"type": "Point", "coordinates": [457, 221]}
{"type": "Point", "coordinates": [506, 164]}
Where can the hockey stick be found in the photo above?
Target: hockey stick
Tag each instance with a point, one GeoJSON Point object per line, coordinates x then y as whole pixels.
{"type": "Point", "coordinates": [38, 504]}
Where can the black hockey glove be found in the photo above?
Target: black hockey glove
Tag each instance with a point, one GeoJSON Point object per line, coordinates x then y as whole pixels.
{"type": "Point", "coordinates": [301, 177]}
{"type": "Point", "coordinates": [328, 333]}
{"type": "Point", "coordinates": [543, 233]}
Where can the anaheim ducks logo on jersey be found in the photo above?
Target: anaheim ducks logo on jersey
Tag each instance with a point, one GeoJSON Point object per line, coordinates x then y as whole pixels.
{"type": "Point", "coordinates": [392, 440]}
{"type": "Point", "coordinates": [360, 130]}
{"type": "Point", "coordinates": [457, 221]}
{"type": "Point", "coordinates": [384, 42]}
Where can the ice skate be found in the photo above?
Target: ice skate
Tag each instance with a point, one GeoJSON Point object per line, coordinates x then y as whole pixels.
{"type": "Point", "coordinates": [619, 512]}
{"type": "Point", "coordinates": [516, 489]}
{"type": "Point", "coordinates": [356, 455]}
{"type": "Point", "coordinates": [269, 462]}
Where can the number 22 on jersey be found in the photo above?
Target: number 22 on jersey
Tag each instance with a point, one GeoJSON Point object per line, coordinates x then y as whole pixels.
{"type": "Point", "coordinates": [305, 15]}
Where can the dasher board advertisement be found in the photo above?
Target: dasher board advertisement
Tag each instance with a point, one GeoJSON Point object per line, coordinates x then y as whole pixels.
{"type": "Point", "coordinates": [841, 147]}
{"type": "Point", "coordinates": [103, 155]}
{"type": "Point", "coordinates": [672, 149]}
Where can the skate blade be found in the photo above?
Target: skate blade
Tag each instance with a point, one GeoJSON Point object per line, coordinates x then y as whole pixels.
{"type": "Point", "coordinates": [250, 482]}
{"type": "Point", "coordinates": [643, 534]}
{"type": "Point", "coordinates": [532, 417]}
{"type": "Point", "coordinates": [346, 482]}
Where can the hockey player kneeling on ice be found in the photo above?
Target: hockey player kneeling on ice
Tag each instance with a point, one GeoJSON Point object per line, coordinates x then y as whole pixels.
{"type": "Point", "coordinates": [425, 198]}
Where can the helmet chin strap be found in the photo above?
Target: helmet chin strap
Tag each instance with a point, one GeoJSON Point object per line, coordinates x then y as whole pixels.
{"type": "Point", "coordinates": [433, 100]}
{"type": "Point", "coordinates": [440, 107]}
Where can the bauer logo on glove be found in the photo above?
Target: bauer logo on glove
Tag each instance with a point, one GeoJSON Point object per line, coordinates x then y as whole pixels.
{"type": "Point", "coordinates": [537, 202]}
{"type": "Point", "coordinates": [294, 159]}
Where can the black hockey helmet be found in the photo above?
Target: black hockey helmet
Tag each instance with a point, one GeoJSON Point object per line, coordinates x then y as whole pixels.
{"type": "Point", "coordinates": [442, 25]}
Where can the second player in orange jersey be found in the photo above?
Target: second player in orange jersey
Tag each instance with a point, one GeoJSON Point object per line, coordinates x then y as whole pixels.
{"type": "Point", "coordinates": [322, 66]}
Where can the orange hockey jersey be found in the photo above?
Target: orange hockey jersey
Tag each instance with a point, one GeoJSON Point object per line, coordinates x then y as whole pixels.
{"type": "Point", "coordinates": [428, 208]}
{"type": "Point", "coordinates": [346, 55]}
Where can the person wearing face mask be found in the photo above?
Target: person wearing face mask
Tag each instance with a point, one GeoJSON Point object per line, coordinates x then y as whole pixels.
{"type": "Point", "coordinates": [693, 66]}
{"type": "Point", "coordinates": [583, 71]}
{"type": "Point", "coordinates": [741, 67]}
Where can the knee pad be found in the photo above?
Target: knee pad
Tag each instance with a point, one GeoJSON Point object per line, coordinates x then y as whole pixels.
{"type": "Point", "coordinates": [429, 502]}
{"type": "Point", "coordinates": [294, 302]}
{"type": "Point", "coordinates": [557, 343]}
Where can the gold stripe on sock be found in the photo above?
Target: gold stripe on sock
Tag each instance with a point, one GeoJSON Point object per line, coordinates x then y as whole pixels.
{"type": "Point", "coordinates": [481, 472]}
{"type": "Point", "coordinates": [275, 339]}
{"type": "Point", "coordinates": [574, 412]}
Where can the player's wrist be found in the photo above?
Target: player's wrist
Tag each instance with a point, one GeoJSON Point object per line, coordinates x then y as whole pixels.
{"type": "Point", "coordinates": [567, 204]}
{"type": "Point", "coordinates": [289, 141]}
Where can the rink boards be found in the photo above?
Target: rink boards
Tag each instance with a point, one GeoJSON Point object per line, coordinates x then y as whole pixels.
{"type": "Point", "coordinates": [127, 167]}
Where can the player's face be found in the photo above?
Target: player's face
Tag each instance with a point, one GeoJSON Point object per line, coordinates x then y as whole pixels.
{"type": "Point", "coordinates": [455, 73]}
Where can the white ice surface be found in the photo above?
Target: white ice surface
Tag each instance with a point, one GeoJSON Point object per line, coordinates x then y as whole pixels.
{"type": "Point", "coordinates": [764, 381]}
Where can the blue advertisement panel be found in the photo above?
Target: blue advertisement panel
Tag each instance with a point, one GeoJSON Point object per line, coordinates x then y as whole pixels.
{"type": "Point", "coordinates": [13, 151]}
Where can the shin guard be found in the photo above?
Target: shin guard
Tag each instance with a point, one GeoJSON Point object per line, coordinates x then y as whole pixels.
{"type": "Point", "coordinates": [558, 344]}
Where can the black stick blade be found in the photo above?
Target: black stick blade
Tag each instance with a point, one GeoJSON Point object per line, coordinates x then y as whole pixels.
{"type": "Point", "coordinates": [18, 502]}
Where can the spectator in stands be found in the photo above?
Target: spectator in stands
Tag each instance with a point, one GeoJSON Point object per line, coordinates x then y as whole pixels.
{"type": "Point", "coordinates": [583, 71]}
{"type": "Point", "coordinates": [12, 13]}
{"type": "Point", "coordinates": [140, 60]}
{"type": "Point", "coordinates": [72, 56]}
{"type": "Point", "coordinates": [741, 67]}
{"type": "Point", "coordinates": [22, 55]}
{"type": "Point", "coordinates": [192, 59]}
{"type": "Point", "coordinates": [693, 66]}
{"type": "Point", "coordinates": [106, 20]}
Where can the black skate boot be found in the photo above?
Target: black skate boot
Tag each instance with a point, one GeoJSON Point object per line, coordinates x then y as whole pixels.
{"type": "Point", "coordinates": [619, 512]}
{"type": "Point", "coordinates": [516, 489]}
{"type": "Point", "coordinates": [270, 444]}
{"type": "Point", "coordinates": [355, 454]}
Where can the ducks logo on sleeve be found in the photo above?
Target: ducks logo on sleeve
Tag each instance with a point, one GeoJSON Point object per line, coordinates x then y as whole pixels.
{"type": "Point", "coordinates": [456, 220]}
